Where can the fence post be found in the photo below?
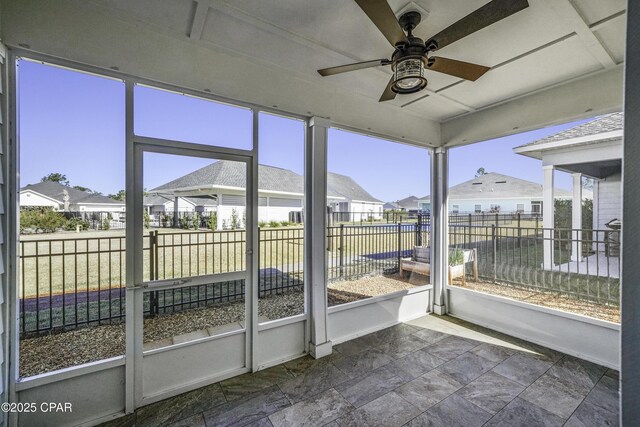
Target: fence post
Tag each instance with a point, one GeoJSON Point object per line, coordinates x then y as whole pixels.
{"type": "Point", "coordinates": [495, 252]}
{"type": "Point", "coordinates": [330, 219]}
{"type": "Point", "coordinates": [497, 219]}
{"type": "Point", "coordinates": [519, 233]}
{"type": "Point", "coordinates": [341, 249]}
{"type": "Point", "coordinates": [154, 303]}
{"type": "Point", "coordinates": [399, 243]}
{"type": "Point", "coordinates": [418, 231]}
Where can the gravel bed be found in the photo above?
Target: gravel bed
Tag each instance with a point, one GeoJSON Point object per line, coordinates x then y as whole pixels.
{"type": "Point", "coordinates": [61, 350]}
{"type": "Point", "coordinates": [546, 299]}
{"type": "Point", "coordinates": [371, 286]}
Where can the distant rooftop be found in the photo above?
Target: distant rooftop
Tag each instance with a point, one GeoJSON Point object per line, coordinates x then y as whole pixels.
{"type": "Point", "coordinates": [55, 191]}
{"type": "Point", "coordinates": [599, 125]}
{"type": "Point", "coordinates": [499, 186]}
{"type": "Point", "coordinates": [232, 174]}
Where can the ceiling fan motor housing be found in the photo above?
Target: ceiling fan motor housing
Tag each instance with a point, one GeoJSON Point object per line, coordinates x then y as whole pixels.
{"type": "Point", "coordinates": [408, 63]}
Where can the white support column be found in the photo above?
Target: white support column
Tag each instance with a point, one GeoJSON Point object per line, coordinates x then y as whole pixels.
{"type": "Point", "coordinates": [630, 300]}
{"type": "Point", "coordinates": [134, 258]}
{"type": "Point", "coordinates": [576, 218]}
{"type": "Point", "coordinates": [315, 232]}
{"type": "Point", "coordinates": [219, 212]}
{"type": "Point", "coordinates": [547, 216]}
{"type": "Point", "coordinates": [176, 222]}
{"type": "Point", "coordinates": [439, 228]}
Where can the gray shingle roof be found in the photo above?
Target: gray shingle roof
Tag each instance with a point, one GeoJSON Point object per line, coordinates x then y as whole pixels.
{"type": "Point", "coordinates": [601, 124]}
{"type": "Point", "coordinates": [499, 186]}
{"type": "Point", "coordinates": [55, 191]}
{"type": "Point", "coordinates": [345, 186]}
{"type": "Point", "coordinates": [232, 174]}
{"type": "Point", "coordinates": [408, 203]}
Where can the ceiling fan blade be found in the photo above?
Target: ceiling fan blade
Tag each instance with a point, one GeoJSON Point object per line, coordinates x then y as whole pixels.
{"type": "Point", "coordinates": [383, 17]}
{"type": "Point", "coordinates": [388, 94]}
{"type": "Point", "coordinates": [464, 70]}
{"type": "Point", "coordinates": [488, 14]}
{"type": "Point", "coordinates": [352, 67]}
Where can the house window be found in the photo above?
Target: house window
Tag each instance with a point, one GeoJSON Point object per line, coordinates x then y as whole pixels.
{"type": "Point", "coordinates": [520, 207]}
{"type": "Point", "coordinates": [536, 207]}
{"type": "Point", "coordinates": [478, 209]}
{"type": "Point", "coordinates": [455, 209]}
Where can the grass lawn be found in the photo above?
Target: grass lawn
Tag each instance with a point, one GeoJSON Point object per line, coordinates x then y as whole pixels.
{"type": "Point", "coordinates": [70, 262]}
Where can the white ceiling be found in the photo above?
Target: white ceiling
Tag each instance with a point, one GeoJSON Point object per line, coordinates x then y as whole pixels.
{"type": "Point", "coordinates": [547, 43]}
{"type": "Point", "coordinates": [551, 42]}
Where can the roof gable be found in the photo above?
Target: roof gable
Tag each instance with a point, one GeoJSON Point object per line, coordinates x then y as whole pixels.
{"type": "Point", "coordinates": [499, 186]}
{"type": "Point", "coordinates": [232, 174]}
{"type": "Point", "coordinates": [225, 173]}
{"type": "Point", "coordinates": [55, 191]}
{"type": "Point", "coordinates": [346, 187]}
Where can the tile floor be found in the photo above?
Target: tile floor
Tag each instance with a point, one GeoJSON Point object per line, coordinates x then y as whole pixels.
{"type": "Point", "coordinates": [433, 371]}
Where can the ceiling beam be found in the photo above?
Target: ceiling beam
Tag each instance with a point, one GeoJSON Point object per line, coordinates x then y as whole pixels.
{"type": "Point", "coordinates": [199, 18]}
{"type": "Point", "coordinates": [568, 13]}
{"type": "Point", "coordinates": [441, 97]}
{"type": "Point", "coordinates": [604, 22]}
{"type": "Point", "coordinates": [596, 93]}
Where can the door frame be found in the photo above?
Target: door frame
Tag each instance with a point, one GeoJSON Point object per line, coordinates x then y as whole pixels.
{"type": "Point", "coordinates": [136, 147]}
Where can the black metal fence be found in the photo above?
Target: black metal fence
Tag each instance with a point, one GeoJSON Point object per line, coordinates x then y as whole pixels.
{"type": "Point", "coordinates": [66, 283]}
{"type": "Point", "coordinates": [97, 220]}
{"type": "Point", "coordinates": [355, 251]}
{"type": "Point", "coordinates": [581, 264]}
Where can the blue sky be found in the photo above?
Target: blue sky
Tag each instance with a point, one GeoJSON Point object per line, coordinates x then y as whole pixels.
{"type": "Point", "coordinates": [73, 123]}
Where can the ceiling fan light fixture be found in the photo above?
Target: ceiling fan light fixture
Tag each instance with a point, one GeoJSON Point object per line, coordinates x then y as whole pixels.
{"type": "Point", "coordinates": [408, 75]}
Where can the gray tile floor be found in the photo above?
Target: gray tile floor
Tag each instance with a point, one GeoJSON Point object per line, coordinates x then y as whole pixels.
{"type": "Point", "coordinates": [433, 371]}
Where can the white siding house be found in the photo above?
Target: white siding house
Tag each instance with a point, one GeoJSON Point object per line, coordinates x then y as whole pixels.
{"type": "Point", "coordinates": [63, 198]}
{"type": "Point", "coordinates": [592, 149]}
{"type": "Point", "coordinates": [350, 201]}
{"type": "Point", "coordinates": [280, 194]}
{"type": "Point", "coordinates": [495, 192]}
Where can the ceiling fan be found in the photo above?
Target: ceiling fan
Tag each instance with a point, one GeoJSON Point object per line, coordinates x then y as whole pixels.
{"type": "Point", "coordinates": [412, 55]}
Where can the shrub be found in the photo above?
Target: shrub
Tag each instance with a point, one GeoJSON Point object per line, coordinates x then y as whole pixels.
{"type": "Point", "coordinates": [235, 221]}
{"type": "Point", "coordinates": [147, 219]}
{"type": "Point", "coordinates": [45, 220]}
{"type": "Point", "coordinates": [262, 224]}
{"type": "Point", "coordinates": [274, 224]}
{"type": "Point", "coordinates": [167, 219]}
{"type": "Point", "coordinates": [285, 223]}
{"type": "Point", "coordinates": [213, 221]}
{"type": "Point", "coordinates": [185, 222]}
{"type": "Point", "coordinates": [76, 223]}
{"type": "Point", "coordinates": [196, 221]}
{"type": "Point", "coordinates": [456, 257]}
{"type": "Point", "coordinates": [106, 221]}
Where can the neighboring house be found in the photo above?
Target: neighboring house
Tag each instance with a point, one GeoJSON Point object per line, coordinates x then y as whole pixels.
{"type": "Point", "coordinates": [408, 204]}
{"type": "Point", "coordinates": [52, 194]}
{"type": "Point", "coordinates": [495, 192]}
{"type": "Point", "coordinates": [280, 193]}
{"type": "Point", "coordinates": [351, 202]}
{"type": "Point", "coordinates": [155, 204]}
{"type": "Point", "coordinates": [592, 149]}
